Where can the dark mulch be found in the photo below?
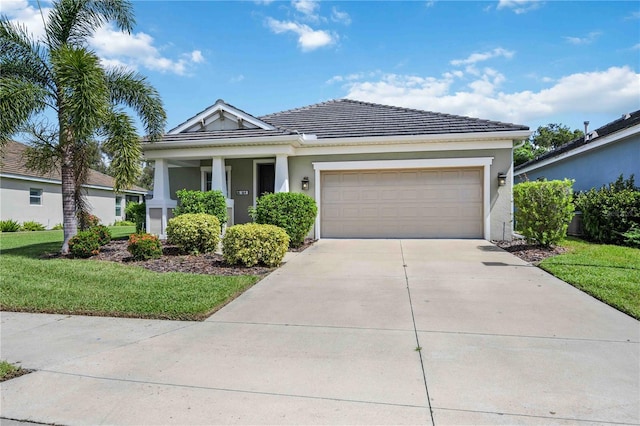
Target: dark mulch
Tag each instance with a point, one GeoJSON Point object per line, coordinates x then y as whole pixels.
{"type": "Point", "coordinates": [17, 373]}
{"type": "Point", "coordinates": [173, 260]}
{"type": "Point", "coordinates": [531, 253]}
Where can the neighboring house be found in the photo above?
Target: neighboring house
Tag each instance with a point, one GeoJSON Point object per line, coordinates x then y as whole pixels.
{"type": "Point", "coordinates": [375, 171]}
{"type": "Point", "coordinates": [594, 160]}
{"type": "Point", "coordinates": [26, 195]}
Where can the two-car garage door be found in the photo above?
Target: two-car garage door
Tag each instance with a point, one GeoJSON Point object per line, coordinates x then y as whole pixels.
{"type": "Point", "coordinates": [403, 203]}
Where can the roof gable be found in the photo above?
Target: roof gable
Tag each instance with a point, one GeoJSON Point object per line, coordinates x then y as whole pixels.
{"type": "Point", "coordinates": [220, 117]}
{"type": "Point", "coordinates": [344, 118]}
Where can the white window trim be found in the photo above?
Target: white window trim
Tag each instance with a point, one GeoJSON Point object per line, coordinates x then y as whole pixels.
{"type": "Point", "coordinates": [255, 176]}
{"type": "Point", "coordinates": [203, 178]}
{"type": "Point", "coordinates": [434, 163]}
{"type": "Point", "coordinates": [40, 196]}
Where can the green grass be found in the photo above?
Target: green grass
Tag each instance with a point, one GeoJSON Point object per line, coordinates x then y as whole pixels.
{"type": "Point", "coordinates": [31, 283]}
{"type": "Point", "coordinates": [9, 371]}
{"type": "Point", "coordinates": [607, 272]}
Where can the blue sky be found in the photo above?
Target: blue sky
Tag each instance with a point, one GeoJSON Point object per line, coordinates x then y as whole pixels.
{"type": "Point", "coordinates": [521, 61]}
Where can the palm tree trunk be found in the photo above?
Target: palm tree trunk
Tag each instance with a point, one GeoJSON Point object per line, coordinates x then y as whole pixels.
{"type": "Point", "coordinates": [69, 219]}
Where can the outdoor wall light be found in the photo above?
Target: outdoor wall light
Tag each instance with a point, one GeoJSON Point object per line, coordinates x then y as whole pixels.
{"type": "Point", "coordinates": [305, 183]}
{"type": "Point", "coordinates": [502, 179]}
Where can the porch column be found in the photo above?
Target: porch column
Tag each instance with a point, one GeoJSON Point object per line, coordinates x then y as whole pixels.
{"type": "Point", "coordinates": [282, 174]}
{"type": "Point", "coordinates": [160, 207]}
{"type": "Point", "coordinates": [218, 176]}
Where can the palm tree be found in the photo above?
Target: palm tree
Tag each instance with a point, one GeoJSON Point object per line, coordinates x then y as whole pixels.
{"type": "Point", "coordinates": [61, 74]}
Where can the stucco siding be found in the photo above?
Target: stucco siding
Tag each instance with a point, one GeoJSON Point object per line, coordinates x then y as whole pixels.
{"type": "Point", "coordinates": [593, 168]}
{"type": "Point", "coordinates": [14, 199]}
{"type": "Point", "coordinates": [184, 178]}
{"type": "Point", "coordinates": [14, 202]}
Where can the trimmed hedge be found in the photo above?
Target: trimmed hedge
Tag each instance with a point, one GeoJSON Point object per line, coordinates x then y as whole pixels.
{"type": "Point", "coordinates": [194, 232]}
{"type": "Point", "coordinates": [611, 214]}
{"type": "Point", "coordinates": [143, 246]}
{"type": "Point", "coordinates": [209, 202]}
{"type": "Point", "coordinates": [293, 212]}
{"type": "Point", "coordinates": [251, 244]}
{"type": "Point", "coordinates": [544, 210]}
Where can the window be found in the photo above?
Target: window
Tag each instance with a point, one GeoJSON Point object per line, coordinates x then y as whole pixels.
{"type": "Point", "coordinates": [206, 179]}
{"type": "Point", "coordinates": [35, 196]}
{"type": "Point", "coordinates": [118, 206]}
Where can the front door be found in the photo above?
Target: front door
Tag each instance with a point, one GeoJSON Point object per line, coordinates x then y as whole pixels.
{"type": "Point", "coordinates": [266, 178]}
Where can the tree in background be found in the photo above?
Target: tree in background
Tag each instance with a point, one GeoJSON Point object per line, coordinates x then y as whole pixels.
{"type": "Point", "coordinates": [59, 73]}
{"type": "Point", "coordinates": [545, 139]}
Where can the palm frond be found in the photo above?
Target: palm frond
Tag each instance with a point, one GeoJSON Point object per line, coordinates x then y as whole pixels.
{"type": "Point", "coordinates": [73, 22]}
{"type": "Point", "coordinates": [19, 101]}
{"type": "Point", "coordinates": [133, 90]}
{"type": "Point", "coordinates": [83, 93]}
{"type": "Point", "coordinates": [123, 144]}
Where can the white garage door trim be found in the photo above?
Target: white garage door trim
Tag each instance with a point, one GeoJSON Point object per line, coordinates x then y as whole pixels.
{"type": "Point", "coordinates": [484, 162]}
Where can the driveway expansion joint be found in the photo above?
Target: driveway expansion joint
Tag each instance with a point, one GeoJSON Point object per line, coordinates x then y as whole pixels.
{"type": "Point", "coordinates": [337, 327]}
{"type": "Point", "coordinates": [525, 336]}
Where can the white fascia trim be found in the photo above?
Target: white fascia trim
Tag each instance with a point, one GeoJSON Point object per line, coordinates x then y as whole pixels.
{"type": "Point", "coordinates": [293, 140]}
{"type": "Point", "coordinates": [444, 137]}
{"type": "Point", "coordinates": [404, 147]}
{"type": "Point", "coordinates": [57, 182]}
{"type": "Point", "coordinates": [484, 162]}
{"type": "Point", "coordinates": [606, 140]}
{"type": "Point", "coordinates": [225, 152]}
{"type": "Point", "coordinates": [224, 107]}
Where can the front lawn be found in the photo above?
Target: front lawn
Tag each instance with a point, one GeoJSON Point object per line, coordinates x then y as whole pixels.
{"type": "Point", "coordinates": [607, 272]}
{"type": "Point", "coordinates": [73, 286]}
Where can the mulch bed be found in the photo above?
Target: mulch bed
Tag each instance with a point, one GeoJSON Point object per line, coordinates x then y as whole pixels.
{"type": "Point", "coordinates": [529, 252]}
{"type": "Point", "coordinates": [173, 260]}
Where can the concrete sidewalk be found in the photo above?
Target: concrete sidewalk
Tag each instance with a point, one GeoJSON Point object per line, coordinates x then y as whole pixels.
{"type": "Point", "coordinates": [331, 338]}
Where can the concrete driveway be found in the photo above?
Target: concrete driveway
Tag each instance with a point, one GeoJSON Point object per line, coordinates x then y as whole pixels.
{"type": "Point", "coordinates": [346, 332]}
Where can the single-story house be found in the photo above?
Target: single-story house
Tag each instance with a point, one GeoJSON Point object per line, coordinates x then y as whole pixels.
{"type": "Point", "coordinates": [29, 196]}
{"type": "Point", "coordinates": [593, 160]}
{"type": "Point", "coordinates": [375, 171]}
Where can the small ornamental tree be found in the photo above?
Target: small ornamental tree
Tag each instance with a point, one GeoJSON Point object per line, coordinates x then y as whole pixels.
{"type": "Point", "coordinates": [137, 213]}
{"type": "Point", "coordinates": [209, 202]}
{"type": "Point", "coordinates": [293, 212]}
{"type": "Point", "coordinates": [543, 210]}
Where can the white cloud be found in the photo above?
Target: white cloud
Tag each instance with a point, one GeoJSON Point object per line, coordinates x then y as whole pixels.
{"type": "Point", "coordinates": [635, 47]}
{"type": "Point", "coordinates": [430, 3]}
{"type": "Point", "coordinates": [306, 7]}
{"type": "Point", "coordinates": [519, 6]}
{"type": "Point", "coordinates": [613, 90]}
{"type": "Point", "coordinates": [484, 56]}
{"type": "Point", "coordinates": [308, 38]}
{"type": "Point", "coordinates": [588, 39]}
{"type": "Point", "coordinates": [236, 79]}
{"type": "Point", "coordinates": [115, 48]}
{"type": "Point", "coordinates": [632, 16]}
{"type": "Point", "coordinates": [339, 16]}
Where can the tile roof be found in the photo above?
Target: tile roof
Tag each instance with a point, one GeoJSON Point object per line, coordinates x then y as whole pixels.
{"type": "Point", "coordinates": [12, 162]}
{"type": "Point", "coordinates": [225, 134]}
{"type": "Point", "coordinates": [343, 118]}
{"type": "Point", "coordinates": [626, 121]}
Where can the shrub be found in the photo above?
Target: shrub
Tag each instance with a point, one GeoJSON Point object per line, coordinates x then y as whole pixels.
{"type": "Point", "coordinates": [610, 212]}
{"type": "Point", "coordinates": [32, 225]}
{"type": "Point", "coordinates": [84, 244]}
{"type": "Point", "coordinates": [252, 243]}
{"type": "Point", "coordinates": [9, 225]}
{"type": "Point", "coordinates": [136, 213]}
{"type": "Point", "coordinates": [194, 232]}
{"type": "Point", "coordinates": [57, 226]}
{"type": "Point", "coordinates": [632, 236]}
{"type": "Point", "coordinates": [293, 212]}
{"type": "Point", "coordinates": [143, 246]}
{"type": "Point", "coordinates": [124, 223]}
{"type": "Point", "coordinates": [87, 220]}
{"type": "Point", "coordinates": [103, 233]}
{"type": "Point", "coordinates": [543, 210]}
{"type": "Point", "coordinates": [209, 202]}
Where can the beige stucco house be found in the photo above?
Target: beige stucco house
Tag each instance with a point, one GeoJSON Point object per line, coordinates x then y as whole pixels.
{"type": "Point", "coordinates": [376, 171]}
{"type": "Point", "coordinates": [29, 196]}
